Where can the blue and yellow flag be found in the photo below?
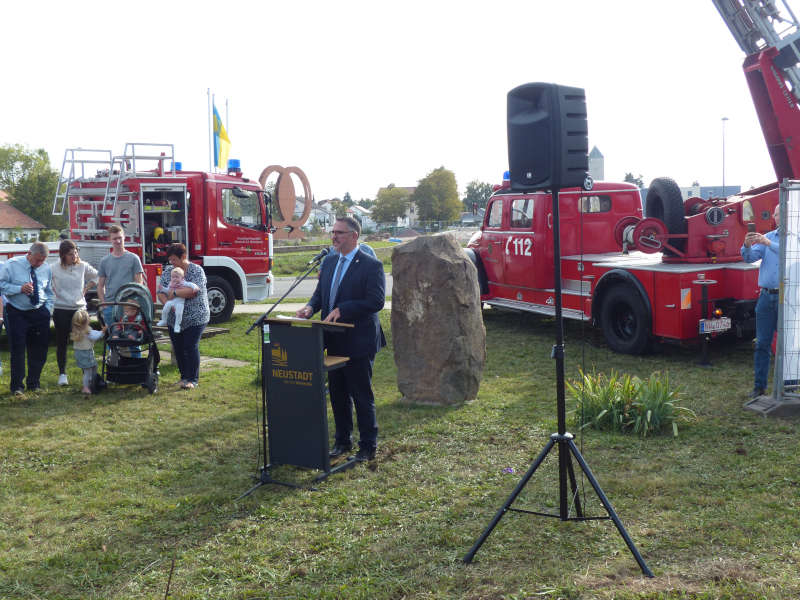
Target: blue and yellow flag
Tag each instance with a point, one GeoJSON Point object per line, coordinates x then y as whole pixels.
{"type": "Point", "coordinates": [222, 145]}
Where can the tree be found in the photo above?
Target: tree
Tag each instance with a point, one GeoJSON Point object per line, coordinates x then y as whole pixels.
{"type": "Point", "coordinates": [436, 196]}
{"type": "Point", "coordinates": [366, 203]}
{"type": "Point", "coordinates": [30, 181]}
{"type": "Point", "coordinates": [347, 200]}
{"type": "Point", "coordinates": [639, 181]}
{"type": "Point", "coordinates": [477, 193]}
{"type": "Point", "coordinates": [339, 208]}
{"type": "Point", "coordinates": [390, 204]}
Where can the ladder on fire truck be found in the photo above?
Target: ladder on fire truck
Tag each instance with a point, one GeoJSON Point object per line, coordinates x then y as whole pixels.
{"type": "Point", "coordinates": [77, 161]}
{"type": "Point", "coordinates": [760, 24]}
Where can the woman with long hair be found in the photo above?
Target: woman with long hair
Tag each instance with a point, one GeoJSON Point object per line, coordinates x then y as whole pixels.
{"type": "Point", "coordinates": [71, 278]}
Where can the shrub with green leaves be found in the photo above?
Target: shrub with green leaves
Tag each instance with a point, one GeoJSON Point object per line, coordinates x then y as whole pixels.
{"type": "Point", "coordinates": [627, 404]}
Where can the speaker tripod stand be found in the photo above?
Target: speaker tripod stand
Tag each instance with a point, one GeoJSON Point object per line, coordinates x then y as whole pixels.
{"type": "Point", "coordinates": [563, 440]}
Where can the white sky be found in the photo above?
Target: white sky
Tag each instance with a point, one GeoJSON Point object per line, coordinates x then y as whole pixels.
{"type": "Point", "coordinates": [360, 94]}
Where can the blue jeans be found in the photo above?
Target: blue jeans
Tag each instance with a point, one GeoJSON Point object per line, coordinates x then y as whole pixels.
{"type": "Point", "coordinates": [108, 315]}
{"type": "Point", "coordinates": [186, 346]}
{"type": "Point", "coordinates": [766, 324]}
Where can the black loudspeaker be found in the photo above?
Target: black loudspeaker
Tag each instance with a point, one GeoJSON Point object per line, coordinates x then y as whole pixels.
{"type": "Point", "coordinates": [548, 140]}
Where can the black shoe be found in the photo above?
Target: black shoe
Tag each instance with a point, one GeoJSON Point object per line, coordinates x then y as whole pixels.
{"type": "Point", "coordinates": [365, 454]}
{"type": "Point", "coordinates": [757, 392]}
{"type": "Point", "coordinates": [339, 450]}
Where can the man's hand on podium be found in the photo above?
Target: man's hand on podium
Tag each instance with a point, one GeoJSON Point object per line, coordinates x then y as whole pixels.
{"type": "Point", "coordinates": [304, 313]}
{"type": "Point", "coordinates": [333, 316]}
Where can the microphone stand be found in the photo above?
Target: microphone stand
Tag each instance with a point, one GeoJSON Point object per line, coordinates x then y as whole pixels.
{"type": "Point", "coordinates": [264, 476]}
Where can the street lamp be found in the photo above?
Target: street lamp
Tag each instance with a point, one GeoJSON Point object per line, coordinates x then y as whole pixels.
{"type": "Point", "coordinates": [724, 119]}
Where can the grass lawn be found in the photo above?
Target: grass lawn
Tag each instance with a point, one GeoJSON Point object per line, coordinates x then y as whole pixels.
{"type": "Point", "coordinates": [291, 264]}
{"type": "Point", "coordinates": [127, 495]}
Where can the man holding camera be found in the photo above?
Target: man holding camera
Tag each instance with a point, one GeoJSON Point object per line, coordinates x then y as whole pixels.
{"type": "Point", "coordinates": [766, 248]}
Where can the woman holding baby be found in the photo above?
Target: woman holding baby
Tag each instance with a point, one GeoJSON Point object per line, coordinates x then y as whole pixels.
{"type": "Point", "coordinates": [184, 283]}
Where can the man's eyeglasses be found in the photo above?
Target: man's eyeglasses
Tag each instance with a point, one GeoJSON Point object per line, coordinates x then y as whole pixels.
{"type": "Point", "coordinates": [334, 232]}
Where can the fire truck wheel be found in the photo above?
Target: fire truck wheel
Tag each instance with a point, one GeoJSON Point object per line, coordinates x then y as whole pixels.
{"type": "Point", "coordinates": [625, 321]}
{"type": "Point", "coordinates": [664, 202]}
{"type": "Point", "coordinates": [220, 299]}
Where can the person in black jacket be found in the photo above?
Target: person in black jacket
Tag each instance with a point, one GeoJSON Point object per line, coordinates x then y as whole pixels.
{"type": "Point", "coordinates": [351, 289]}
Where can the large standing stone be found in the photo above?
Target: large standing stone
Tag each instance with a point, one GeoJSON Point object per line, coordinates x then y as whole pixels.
{"type": "Point", "coordinates": [437, 327]}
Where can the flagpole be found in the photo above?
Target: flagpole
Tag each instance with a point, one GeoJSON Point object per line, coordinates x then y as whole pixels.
{"type": "Point", "coordinates": [227, 130]}
{"type": "Point", "coordinates": [210, 132]}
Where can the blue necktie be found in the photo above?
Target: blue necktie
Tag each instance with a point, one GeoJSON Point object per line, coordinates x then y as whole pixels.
{"type": "Point", "coordinates": [35, 283]}
{"type": "Point", "coordinates": [337, 278]}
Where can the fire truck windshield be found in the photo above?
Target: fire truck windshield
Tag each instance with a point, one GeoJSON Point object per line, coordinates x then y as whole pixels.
{"type": "Point", "coordinates": [241, 208]}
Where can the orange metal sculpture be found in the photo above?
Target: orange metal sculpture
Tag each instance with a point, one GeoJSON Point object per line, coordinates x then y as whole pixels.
{"type": "Point", "coordinates": [284, 221]}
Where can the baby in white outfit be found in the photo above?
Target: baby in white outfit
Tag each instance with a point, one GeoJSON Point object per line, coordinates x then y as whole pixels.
{"type": "Point", "coordinates": [176, 281]}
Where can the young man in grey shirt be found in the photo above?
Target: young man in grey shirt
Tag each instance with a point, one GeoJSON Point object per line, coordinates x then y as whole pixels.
{"type": "Point", "coordinates": [116, 269]}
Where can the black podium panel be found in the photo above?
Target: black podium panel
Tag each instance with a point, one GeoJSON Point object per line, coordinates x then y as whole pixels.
{"type": "Point", "coordinates": [296, 403]}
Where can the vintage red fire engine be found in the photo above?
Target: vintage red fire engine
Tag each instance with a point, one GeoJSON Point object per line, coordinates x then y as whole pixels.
{"type": "Point", "coordinates": [676, 274]}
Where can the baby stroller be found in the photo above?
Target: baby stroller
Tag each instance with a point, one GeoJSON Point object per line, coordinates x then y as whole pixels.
{"type": "Point", "coordinates": [130, 354]}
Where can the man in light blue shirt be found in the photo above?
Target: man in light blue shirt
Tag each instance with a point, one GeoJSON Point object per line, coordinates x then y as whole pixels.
{"type": "Point", "coordinates": [25, 281]}
{"type": "Point", "coordinates": [766, 248]}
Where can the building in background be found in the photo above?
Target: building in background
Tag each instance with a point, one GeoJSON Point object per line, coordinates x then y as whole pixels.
{"type": "Point", "coordinates": [597, 164]}
{"type": "Point", "coordinates": [16, 226]}
{"type": "Point", "coordinates": [363, 216]}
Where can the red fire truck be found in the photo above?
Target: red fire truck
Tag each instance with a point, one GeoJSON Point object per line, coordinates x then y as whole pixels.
{"type": "Point", "coordinates": [223, 219]}
{"type": "Point", "coordinates": [672, 270]}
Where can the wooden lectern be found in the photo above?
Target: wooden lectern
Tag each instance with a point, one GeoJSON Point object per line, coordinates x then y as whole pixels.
{"type": "Point", "coordinates": [294, 374]}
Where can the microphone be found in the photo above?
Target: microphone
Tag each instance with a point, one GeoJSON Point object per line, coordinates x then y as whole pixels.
{"type": "Point", "coordinates": [322, 254]}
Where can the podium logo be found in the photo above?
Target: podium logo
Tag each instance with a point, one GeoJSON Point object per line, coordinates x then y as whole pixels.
{"type": "Point", "coordinates": [280, 360]}
{"type": "Point", "coordinates": [279, 356]}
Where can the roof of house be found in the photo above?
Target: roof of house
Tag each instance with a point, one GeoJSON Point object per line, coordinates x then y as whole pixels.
{"type": "Point", "coordinates": [10, 217]}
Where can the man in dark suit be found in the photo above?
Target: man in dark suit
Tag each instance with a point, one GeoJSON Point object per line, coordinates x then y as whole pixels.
{"type": "Point", "coordinates": [351, 289]}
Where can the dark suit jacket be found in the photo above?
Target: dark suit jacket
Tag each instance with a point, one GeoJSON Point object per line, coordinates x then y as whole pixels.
{"type": "Point", "coordinates": [361, 295]}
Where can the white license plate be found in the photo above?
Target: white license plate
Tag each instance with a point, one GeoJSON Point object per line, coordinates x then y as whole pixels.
{"type": "Point", "coordinates": [715, 325]}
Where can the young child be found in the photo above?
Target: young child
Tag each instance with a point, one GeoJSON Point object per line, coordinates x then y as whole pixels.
{"type": "Point", "coordinates": [130, 314]}
{"type": "Point", "coordinates": [83, 338]}
{"type": "Point", "coordinates": [176, 281]}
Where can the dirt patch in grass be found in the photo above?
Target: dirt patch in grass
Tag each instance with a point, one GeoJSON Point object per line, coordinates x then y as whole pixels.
{"type": "Point", "coordinates": [693, 582]}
